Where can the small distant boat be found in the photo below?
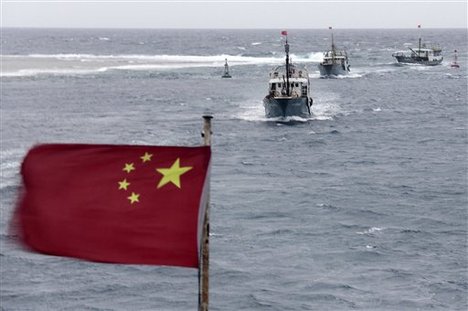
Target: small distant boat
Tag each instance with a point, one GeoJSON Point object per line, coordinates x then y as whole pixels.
{"type": "Point", "coordinates": [334, 62]}
{"type": "Point", "coordinates": [226, 70]}
{"type": "Point", "coordinates": [454, 64]}
{"type": "Point", "coordinates": [422, 55]}
{"type": "Point", "coordinates": [288, 91]}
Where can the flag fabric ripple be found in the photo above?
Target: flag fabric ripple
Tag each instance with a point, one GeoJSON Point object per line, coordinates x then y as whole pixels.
{"type": "Point", "coordinates": [115, 203]}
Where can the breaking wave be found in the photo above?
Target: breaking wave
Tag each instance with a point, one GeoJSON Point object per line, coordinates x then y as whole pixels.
{"type": "Point", "coordinates": [64, 64]}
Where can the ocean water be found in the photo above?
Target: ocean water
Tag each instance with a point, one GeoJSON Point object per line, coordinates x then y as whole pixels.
{"type": "Point", "coordinates": [364, 206]}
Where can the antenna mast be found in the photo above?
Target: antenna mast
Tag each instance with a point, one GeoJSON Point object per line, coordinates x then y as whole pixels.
{"type": "Point", "coordinates": [286, 49]}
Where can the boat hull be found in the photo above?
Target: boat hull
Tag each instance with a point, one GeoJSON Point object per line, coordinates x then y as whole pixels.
{"type": "Point", "coordinates": [416, 60]}
{"type": "Point", "coordinates": [287, 107]}
{"type": "Point", "coordinates": [332, 70]}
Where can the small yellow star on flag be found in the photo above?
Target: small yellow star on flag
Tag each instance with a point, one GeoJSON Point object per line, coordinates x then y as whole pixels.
{"type": "Point", "coordinates": [128, 167]}
{"type": "Point", "coordinates": [134, 198]}
{"type": "Point", "coordinates": [172, 174]}
{"type": "Point", "coordinates": [123, 184]}
{"type": "Point", "coordinates": [146, 157]}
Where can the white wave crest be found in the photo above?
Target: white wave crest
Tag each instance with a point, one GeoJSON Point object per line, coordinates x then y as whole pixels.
{"type": "Point", "coordinates": [372, 230]}
{"type": "Point", "coordinates": [251, 111]}
{"type": "Point", "coordinates": [326, 106]}
{"type": "Point", "coordinates": [10, 167]}
{"type": "Point", "coordinates": [52, 71]}
{"type": "Point", "coordinates": [235, 59]}
{"type": "Point", "coordinates": [34, 64]}
{"type": "Point", "coordinates": [315, 57]}
{"type": "Point", "coordinates": [64, 64]}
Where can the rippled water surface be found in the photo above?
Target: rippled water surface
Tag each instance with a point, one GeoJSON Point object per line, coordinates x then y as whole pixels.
{"type": "Point", "coordinates": [363, 206]}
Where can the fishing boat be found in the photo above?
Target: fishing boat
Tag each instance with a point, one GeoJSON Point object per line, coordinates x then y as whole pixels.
{"type": "Point", "coordinates": [455, 64]}
{"type": "Point", "coordinates": [226, 70]}
{"type": "Point", "coordinates": [288, 90]}
{"type": "Point", "coordinates": [335, 62]}
{"type": "Point", "coordinates": [422, 55]}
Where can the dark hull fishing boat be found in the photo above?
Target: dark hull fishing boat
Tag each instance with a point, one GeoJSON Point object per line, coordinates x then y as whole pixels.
{"type": "Point", "coordinates": [421, 55]}
{"type": "Point", "coordinates": [335, 62]}
{"type": "Point", "coordinates": [288, 91]}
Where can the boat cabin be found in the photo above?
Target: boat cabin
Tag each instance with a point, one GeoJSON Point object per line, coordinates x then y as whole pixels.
{"type": "Point", "coordinates": [427, 54]}
{"type": "Point", "coordinates": [334, 57]}
{"type": "Point", "coordinates": [421, 54]}
{"type": "Point", "coordinates": [298, 82]}
{"type": "Point", "coordinates": [297, 88]}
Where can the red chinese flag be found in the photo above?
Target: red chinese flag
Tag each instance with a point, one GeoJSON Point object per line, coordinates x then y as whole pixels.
{"type": "Point", "coordinates": [112, 203]}
{"type": "Point", "coordinates": [284, 33]}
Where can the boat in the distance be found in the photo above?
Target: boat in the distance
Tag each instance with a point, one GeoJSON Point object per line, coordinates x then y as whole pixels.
{"type": "Point", "coordinates": [226, 70]}
{"type": "Point", "coordinates": [423, 55]}
{"type": "Point", "coordinates": [288, 90]}
{"type": "Point", "coordinates": [455, 64]}
{"type": "Point", "coordinates": [335, 62]}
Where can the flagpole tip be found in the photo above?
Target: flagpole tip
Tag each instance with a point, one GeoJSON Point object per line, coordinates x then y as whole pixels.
{"type": "Point", "coordinates": [206, 132]}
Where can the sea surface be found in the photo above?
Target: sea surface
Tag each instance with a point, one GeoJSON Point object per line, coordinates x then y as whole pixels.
{"type": "Point", "coordinates": [363, 206]}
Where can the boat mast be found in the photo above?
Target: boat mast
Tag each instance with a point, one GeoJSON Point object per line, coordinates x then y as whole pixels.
{"type": "Point", "coordinates": [332, 45]}
{"type": "Point", "coordinates": [286, 49]}
{"type": "Point", "coordinates": [419, 27]}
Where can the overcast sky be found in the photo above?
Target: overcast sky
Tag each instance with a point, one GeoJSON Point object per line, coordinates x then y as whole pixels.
{"type": "Point", "coordinates": [234, 14]}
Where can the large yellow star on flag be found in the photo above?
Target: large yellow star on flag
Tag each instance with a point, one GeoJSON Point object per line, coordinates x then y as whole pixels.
{"type": "Point", "coordinates": [172, 174]}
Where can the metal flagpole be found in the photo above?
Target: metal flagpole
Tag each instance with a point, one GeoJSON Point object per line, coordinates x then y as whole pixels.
{"type": "Point", "coordinates": [204, 277]}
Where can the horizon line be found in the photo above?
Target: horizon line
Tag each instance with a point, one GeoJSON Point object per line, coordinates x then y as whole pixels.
{"type": "Point", "coordinates": [224, 28]}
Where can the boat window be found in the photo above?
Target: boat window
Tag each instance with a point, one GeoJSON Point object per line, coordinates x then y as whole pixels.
{"type": "Point", "coordinates": [273, 86]}
{"type": "Point", "coordinates": [297, 84]}
{"type": "Point", "coordinates": [279, 84]}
